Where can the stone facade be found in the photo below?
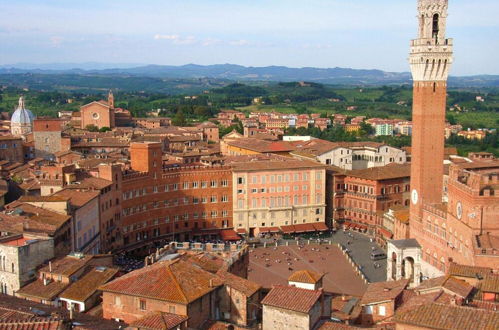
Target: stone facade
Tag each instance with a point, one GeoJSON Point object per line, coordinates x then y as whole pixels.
{"type": "Point", "coordinates": [19, 258]}
{"type": "Point", "coordinates": [278, 197]}
{"type": "Point", "coordinates": [47, 134]}
{"type": "Point", "coordinates": [275, 318]}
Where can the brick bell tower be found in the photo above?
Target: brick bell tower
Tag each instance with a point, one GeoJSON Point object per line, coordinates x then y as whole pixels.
{"type": "Point", "coordinates": [430, 60]}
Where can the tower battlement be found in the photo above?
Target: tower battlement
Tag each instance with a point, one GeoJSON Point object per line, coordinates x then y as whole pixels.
{"type": "Point", "coordinates": [431, 52]}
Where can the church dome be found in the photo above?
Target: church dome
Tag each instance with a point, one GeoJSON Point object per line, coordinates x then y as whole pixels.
{"type": "Point", "coordinates": [22, 115]}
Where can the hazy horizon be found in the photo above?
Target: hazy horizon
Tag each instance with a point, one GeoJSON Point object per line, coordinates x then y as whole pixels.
{"type": "Point", "coordinates": [364, 34]}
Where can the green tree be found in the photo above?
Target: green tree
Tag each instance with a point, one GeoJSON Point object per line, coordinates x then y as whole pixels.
{"type": "Point", "coordinates": [92, 128]}
{"type": "Point", "coordinates": [179, 119]}
{"type": "Point", "coordinates": [104, 129]}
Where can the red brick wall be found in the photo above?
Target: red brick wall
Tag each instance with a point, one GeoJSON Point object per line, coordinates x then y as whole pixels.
{"type": "Point", "coordinates": [427, 152]}
{"type": "Point", "coordinates": [127, 308]}
{"type": "Point", "coordinates": [47, 125]}
{"type": "Point", "coordinates": [12, 150]}
{"type": "Point", "coordinates": [105, 116]}
{"type": "Point", "coordinates": [160, 216]}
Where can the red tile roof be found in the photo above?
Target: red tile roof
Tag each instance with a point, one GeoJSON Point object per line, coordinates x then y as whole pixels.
{"type": "Point", "coordinates": [447, 283]}
{"type": "Point", "coordinates": [159, 321]}
{"type": "Point", "coordinates": [85, 287]}
{"type": "Point", "coordinates": [78, 198]}
{"type": "Point", "coordinates": [383, 291]}
{"type": "Point", "coordinates": [37, 289]}
{"type": "Point", "coordinates": [490, 283]}
{"type": "Point", "coordinates": [292, 298]}
{"type": "Point", "coordinates": [468, 271]}
{"type": "Point", "coordinates": [305, 276]}
{"type": "Point", "coordinates": [448, 317]}
{"type": "Point", "coordinates": [248, 288]}
{"type": "Point", "coordinates": [391, 171]}
{"type": "Point", "coordinates": [67, 265]}
{"type": "Point", "coordinates": [175, 281]}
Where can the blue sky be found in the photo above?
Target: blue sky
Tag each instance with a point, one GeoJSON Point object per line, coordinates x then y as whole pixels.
{"type": "Point", "coordinates": [321, 33]}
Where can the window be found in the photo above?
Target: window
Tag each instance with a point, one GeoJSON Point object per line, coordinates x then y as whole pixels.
{"type": "Point", "coordinates": [195, 185]}
{"type": "Point", "coordinates": [175, 186]}
{"type": "Point", "coordinates": [213, 199]}
{"type": "Point", "coordinates": [186, 185]}
{"type": "Point", "coordinates": [368, 310]}
{"type": "Point", "coordinates": [213, 184]}
{"type": "Point", "coordinates": [225, 198]}
{"type": "Point", "coordinates": [225, 183]}
{"type": "Point", "coordinates": [171, 309]}
{"type": "Point", "coordinates": [240, 180]}
{"type": "Point", "coordinates": [142, 305]}
{"type": "Point", "coordinates": [204, 184]}
{"type": "Point", "coordinates": [382, 310]}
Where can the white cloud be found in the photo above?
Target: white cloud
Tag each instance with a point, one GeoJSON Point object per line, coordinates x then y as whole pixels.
{"type": "Point", "coordinates": [56, 41]}
{"type": "Point", "coordinates": [176, 39]}
{"type": "Point", "coordinates": [240, 42]}
{"type": "Point", "coordinates": [166, 36]}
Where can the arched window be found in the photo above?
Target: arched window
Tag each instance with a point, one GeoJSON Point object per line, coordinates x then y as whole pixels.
{"type": "Point", "coordinates": [435, 26]}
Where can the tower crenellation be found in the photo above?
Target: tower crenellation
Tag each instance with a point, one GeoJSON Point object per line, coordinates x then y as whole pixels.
{"type": "Point", "coordinates": [431, 52]}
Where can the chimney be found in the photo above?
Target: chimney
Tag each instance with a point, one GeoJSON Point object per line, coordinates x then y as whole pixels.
{"type": "Point", "coordinates": [211, 283]}
{"type": "Point", "coordinates": [50, 266]}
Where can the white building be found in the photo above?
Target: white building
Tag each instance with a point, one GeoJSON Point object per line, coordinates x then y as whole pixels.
{"type": "Point", "coordinates": [350, 155]}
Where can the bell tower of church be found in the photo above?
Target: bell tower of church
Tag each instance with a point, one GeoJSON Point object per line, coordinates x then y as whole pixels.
{"type": "Point", "coordinates": [430, 60]}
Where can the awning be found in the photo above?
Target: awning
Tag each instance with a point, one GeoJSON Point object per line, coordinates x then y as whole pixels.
{"type": "Point", "coordinates": [229, 235]}
{"type": "Point", "coordinates": [202, 232]}
{"type": "Point", "coordinates": [269, 230]}
{"type": "Point", "coordinates": [385, 233]}
{"type": "Point", "coordinates": [288, 229]}
{"type": "Point", "coordinates": [321, 226]}
{"type": "Point", "coordinates": [241, 231]}
{"type": "Point", "coordinates": [304, 228]}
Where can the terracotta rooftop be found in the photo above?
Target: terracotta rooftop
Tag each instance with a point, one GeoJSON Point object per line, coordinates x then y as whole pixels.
{"type": "Point", "coordinates": [490, 283]}
{"type": "Point", "coordinates": [391, 171]}
{"type": "Point", "coordinates": [159, 321]}
{"type": "Point", "coordinates": [255, 163]}
{"type": "Point", "coordinates": [77, 198]}
{"type": "Point", "coordinates": [43, 199]}
{"type": "Point", "coordinates": [38, 289]}
{"type": "Point", "coordinates": [67, 265]}
{"type": "Point", "coordinates": [292, 298]}
{"type": "Point", "coordinates": [16, 313]}
{"type": "Point", "coordinates": [305, 276]}
{"type": "Point", "coordinates": [207, 262]}
{"type": "Point", "coordinates": [248, 288]}
{"type": "Point", "coordinates": [383, 291]}
{"type": "Point", "coordinates": [448, 284]}
{"type": "Point", "coordinates": [468, 271]}
{"type": "Point", "coordinates": [448, 317]}
{"type": "Point", "coordinates": [328, 325]}
{"type": "Point", "coordinates": [261, 146]}
{"type": "Point", "coordinates": [85, 287]}
{"type": "Point", "coordinates": [175, 281]}
{"type": "Point", "coordinates": [34, 218]}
